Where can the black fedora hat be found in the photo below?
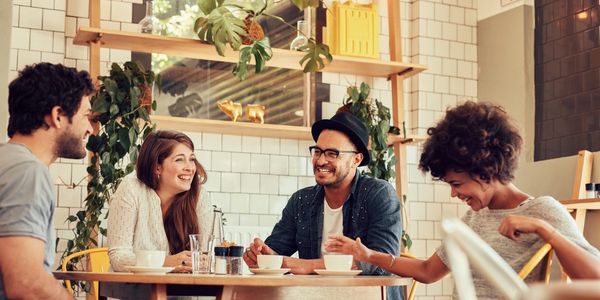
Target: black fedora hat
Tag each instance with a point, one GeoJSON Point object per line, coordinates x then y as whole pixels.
{"type": "Point", "coordinates": [351, 126]}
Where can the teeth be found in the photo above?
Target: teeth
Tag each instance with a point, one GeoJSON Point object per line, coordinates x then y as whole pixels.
{"type": "Point", "coordinates": [184, 177]}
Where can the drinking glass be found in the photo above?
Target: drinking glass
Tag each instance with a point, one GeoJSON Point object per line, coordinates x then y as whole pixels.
{"type": "Point", "coordinates": [200, 246]}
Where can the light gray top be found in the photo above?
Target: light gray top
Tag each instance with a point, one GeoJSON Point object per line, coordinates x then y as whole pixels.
{"type": "Point", "coordinates": [26, 199]}
{"type": "Point", "coordinates": [135, 222]}
{"type": "Point", "coordinates": [486, 222]}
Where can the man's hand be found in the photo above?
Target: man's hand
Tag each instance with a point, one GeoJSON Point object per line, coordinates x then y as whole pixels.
{"type": "Point", "coordinates": [257, 247]}
{"type": "Point", "coordinates": [342, 244]}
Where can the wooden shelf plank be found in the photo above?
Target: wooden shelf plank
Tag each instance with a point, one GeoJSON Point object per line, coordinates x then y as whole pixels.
{"type": "Point", "coordinates": [253, 129]}
{"type": "Point", "coordinates": [229, 127]}
{"type": "Point", "coordinates": [410, 139]}
{"type": "Point", "coordinates": [592, 203]}
{"type": "Point", "coordinates": [193, 48]}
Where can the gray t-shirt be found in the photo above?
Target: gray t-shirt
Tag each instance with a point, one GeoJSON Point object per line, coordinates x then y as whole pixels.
{"type": "Point", "coordinates": [486, 222]}
{"type": "Point", "coordinates": [26, 199]}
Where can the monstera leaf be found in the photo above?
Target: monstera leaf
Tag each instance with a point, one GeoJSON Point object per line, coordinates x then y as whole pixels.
{"type": "Point", "coordinates": [261, 50]}
{"type": "Point", "coordinates": [226, 29]}
{"type": "Point", "coordinates": [313, 60]}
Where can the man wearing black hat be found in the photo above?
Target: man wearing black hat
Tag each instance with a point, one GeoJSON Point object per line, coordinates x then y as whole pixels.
{"type": "Point", "coordinates": [343, 202]}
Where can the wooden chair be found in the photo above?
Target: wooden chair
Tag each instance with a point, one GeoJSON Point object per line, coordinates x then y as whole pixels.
{"type": "Point", "coordinates": [97, 261]}
{"type": "Point", "coordinates": [543, 256]}
{"type": "Point", "coordinates": [413, 286]}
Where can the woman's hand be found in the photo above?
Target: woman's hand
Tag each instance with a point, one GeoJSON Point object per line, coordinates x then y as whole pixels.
{"type": "Point", "coordinates": [514, 225]}
{"type": "Point", "coordinates": [342, 244]}
{"type": "Point", "coordinates": [183, 258]}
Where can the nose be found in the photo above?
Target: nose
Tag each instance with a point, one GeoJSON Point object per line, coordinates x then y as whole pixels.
{"type": "Point", "coordinates": [453, 192]}
{"type": "Point", "coordinates": [321, 159]}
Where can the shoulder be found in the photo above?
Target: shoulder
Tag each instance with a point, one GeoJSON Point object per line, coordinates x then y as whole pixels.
{"type": "Point", "coordinates": [543, 205]}
{"type": "Point", "coordinates": [368, 187]}
{"type": "Point", "coordinates": [131, 188]}
{"type": "Point", "coordinates": [306, 194]}
{"type": "Point", "coordinates": [370, 184]}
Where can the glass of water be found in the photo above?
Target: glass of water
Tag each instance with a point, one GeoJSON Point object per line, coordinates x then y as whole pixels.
{"type": "Point", "coordinates": [200, 248]}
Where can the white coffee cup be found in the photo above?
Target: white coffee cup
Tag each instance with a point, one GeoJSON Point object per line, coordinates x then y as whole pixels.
{"type": "Point", "coordinates": [150, 258]}
{"type": "Point", "coordinates": [269, 261]}
{"type": "Point", "coordinates": [338, 262]}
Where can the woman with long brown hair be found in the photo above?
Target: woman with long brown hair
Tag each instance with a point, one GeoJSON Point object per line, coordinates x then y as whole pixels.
{"type": "Point", "coordinates": [158, 209]}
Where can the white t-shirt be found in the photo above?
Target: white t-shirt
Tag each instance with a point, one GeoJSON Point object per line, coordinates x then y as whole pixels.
{"type": "Point", "coordinates": [332, 224]}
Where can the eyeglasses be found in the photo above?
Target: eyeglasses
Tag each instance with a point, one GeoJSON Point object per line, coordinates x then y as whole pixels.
{"type": "Point", "coordinates": [330, 154]}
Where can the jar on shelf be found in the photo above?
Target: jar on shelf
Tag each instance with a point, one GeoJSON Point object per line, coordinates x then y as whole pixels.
{"type": "Point", "coordinates": [221, 257]}
{"type": "Point", "coordinates": [149, 23]}
{"type": "Point", "coordinates": [301, 39]}
{"type": "Point", "coordinates": [590, 191]}
{"type": "Point", "coordinates": [235, 260]}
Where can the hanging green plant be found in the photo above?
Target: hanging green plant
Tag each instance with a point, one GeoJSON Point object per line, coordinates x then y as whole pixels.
{"type": "Point", "coordinates": [122, 107]}
{"type": "Point", "coordinates": [377, 119]}
{"type": "Point", "coordinates": [234, 23]}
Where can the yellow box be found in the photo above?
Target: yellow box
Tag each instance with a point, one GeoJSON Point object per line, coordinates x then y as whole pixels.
{"type": "Point", "coordinates": [353, 29]}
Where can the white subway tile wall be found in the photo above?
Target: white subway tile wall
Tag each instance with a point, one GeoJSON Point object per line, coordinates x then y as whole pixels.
{"type": "Point", "coordinates": [251, 178]}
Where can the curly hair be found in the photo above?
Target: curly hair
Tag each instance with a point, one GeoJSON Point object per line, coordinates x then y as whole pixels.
{"type": "Point", "coordinates": [477, 138]}
{"type": "Point", "coordinates": [41, 87]}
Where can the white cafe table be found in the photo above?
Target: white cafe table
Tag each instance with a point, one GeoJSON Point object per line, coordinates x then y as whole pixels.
{"type": "Point", "coordinates": [305, 287]}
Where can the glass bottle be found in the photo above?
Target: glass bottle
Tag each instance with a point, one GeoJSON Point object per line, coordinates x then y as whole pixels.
{"type": "Point", "coordinates": [149, 23]}
{"type": "Point", "coordinates": [217, 234]}
{"type": "Point", "coordinates": [302, 36]}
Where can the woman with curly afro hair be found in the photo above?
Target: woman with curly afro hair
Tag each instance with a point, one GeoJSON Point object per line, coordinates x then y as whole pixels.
{"type": "Point", "coordinates": [475, 150]}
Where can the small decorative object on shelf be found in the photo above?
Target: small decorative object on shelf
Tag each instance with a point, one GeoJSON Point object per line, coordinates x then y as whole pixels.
{"type": "Point", "coordinates": [301, 38]}
{"type": "Point", "coordinates": [233, 110]}
{"type": "Point", "coordinates": [256, 113]}
{"type": "Point", "coordinates": [149, 23]}
{"type": "Point", "coordinates": [353, 29]}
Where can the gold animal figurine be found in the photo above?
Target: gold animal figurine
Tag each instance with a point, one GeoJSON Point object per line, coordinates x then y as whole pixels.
{"type": "Point", "coordinates": [256, 113]}
{"type": "Point", "coordinates": [230, 108]}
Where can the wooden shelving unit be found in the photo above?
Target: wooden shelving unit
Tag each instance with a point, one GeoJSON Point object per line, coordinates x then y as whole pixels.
{"type": "Point", "coordinates": [193, 48]}
{"type": "Point", "coordinates": [229, 127]}
{"type": "Point", "coordinates": [253, 129]}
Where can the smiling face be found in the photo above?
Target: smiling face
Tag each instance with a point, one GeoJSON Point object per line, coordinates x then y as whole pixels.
{"type": "Point", "coordinates": [177, 170]}
{"type": "Point", "coordinates": [473, 191]}
{"type": "Point", "coordinates": [71, 142]}
{"type": "Point", "coordinates": [334, 173]}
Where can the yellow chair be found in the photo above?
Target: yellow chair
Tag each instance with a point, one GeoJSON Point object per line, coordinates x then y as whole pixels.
{"type": "Point", "coordinates": [413, 286]}
{"type": "Point", "coordinates": [98, 261]}
{"type": "Point", "coordinates": [544, 256]}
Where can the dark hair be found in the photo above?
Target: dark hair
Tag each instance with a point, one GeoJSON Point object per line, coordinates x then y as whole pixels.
{"type": "Point", "coordinates": [181, 219]}
{"type": "Point", "coordinates": [478, 138]}
{"type": "Point", "coordinates": [41, 87]}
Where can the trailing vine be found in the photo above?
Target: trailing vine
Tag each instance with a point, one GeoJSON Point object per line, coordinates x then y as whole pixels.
{"type": "Point", "coordinates": [377, 119]}
{"type": "Point", "coordinates": [122, 108]}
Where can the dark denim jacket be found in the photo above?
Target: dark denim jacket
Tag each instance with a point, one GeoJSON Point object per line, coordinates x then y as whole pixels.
{"type": "Point", "coordinates": [372, 212]}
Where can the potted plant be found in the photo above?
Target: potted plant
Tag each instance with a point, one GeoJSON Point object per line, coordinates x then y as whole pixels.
{"type": "Point", "coordinates": [234, 23]}
{"type": "Point", "coordinates": [376, 118]}
{"type": "Point", "coordinates": [121, 107]}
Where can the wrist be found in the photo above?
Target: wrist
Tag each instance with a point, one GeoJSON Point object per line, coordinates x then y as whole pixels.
{"type": "Point", "coordinates": [546, 231]}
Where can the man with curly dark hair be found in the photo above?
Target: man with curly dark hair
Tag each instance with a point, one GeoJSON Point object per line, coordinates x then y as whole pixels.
{"type": "Point", "coordinates": [475, 150]}
{"type": "Point", "coordinates": [49, 107]}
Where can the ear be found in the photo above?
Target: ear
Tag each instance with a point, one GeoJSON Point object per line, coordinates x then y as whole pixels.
{"type": "Point", "coordinates": [358, 158]}
{"type": "Point", "coordinates": [158, 170]}
{"type": "Point", "coordinates": [54, 118]}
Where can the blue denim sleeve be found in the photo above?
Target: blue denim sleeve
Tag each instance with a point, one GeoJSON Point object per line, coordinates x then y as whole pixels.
{"type": "Point", "coordinates": [385, 227]}
{"type": "Point", "coordinates": [283, 238]}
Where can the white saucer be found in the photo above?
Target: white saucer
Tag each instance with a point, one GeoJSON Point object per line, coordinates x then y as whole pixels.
{"type": "Point", "coordinates": [269, 271]}
{"type": "Point", "coordinates": [337, 273]}
{"type": "Point", "coordinates": [159, 270]}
